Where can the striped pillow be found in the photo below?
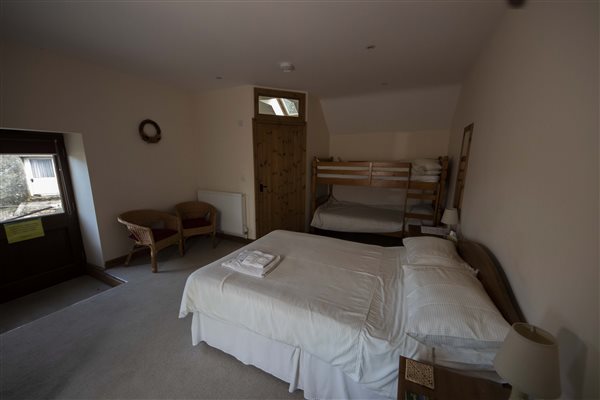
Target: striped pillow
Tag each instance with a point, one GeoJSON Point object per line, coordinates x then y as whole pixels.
{"type": "Point", "coordinates": [449, 307]}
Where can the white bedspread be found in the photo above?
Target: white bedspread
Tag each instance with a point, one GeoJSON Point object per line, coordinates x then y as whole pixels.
{"type": "Point", "coordinates": [337, 300]}
{"type": "Point", "coordinates": [345, 216]}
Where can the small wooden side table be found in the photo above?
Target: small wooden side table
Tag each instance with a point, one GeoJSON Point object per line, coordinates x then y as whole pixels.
{"type": "Point", "coordinates": [451, 385]}
{"type": "Point", "coordinates": [415, 230]}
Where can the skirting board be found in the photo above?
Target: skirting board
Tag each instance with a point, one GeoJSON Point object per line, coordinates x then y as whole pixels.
{"type": "Point", "coordinates": [100, 274]}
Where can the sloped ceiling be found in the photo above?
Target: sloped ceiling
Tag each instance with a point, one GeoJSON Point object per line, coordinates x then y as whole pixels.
{"type": "Point", "coordinates": [414, 110]}
{"type": "Point", "coordinates": [417, 43]}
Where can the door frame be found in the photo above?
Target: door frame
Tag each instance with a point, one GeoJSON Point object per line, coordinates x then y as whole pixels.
{"type": "Point", "coordinates": [275, 120]}
{"type": "Point", "coordinates": [45, 143]}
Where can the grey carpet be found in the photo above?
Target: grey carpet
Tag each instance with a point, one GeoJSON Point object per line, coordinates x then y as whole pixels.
{"type": "Point", "coordinates": [36, 305]}
{"type": "Point", "coordinates": [128, 343]}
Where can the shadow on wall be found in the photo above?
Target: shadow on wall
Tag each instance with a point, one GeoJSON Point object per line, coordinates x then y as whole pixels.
{"type": "Point", "coordinates": [572, 364]}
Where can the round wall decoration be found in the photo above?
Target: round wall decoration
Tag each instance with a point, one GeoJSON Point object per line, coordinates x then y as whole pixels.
{"type": "Point", "coordinates": [149, 137]}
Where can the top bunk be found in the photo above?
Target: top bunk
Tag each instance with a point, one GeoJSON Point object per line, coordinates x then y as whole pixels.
{"type": "Point", "coordinates": [422, 174]}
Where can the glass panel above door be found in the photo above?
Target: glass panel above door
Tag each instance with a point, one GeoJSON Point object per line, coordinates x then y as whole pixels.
{"type": "Point", "coordinates": [279, 106]}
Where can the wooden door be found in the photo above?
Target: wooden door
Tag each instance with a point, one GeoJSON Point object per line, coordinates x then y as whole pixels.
{"type": "Point", "coordinates": [280, 175]}
{"type": "Point", "coordinates": [55, 253]}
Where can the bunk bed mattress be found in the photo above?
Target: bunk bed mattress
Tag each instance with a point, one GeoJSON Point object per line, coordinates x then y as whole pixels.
{"type": "Point", "coordinates": [338, 301]}
{"type": "Point", "coordinates": [344, 216]}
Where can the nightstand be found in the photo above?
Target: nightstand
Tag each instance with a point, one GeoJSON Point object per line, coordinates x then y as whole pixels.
{"type": "Point", "coordinates": [415, 230]}
{"type": "Point", "coordinates": [451, 385]}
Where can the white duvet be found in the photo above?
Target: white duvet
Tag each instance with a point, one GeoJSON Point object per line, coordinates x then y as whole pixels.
{"type": "Point", "coordinates": [337, 300]}
{"type": "Point", "coordinates": [345, 216]}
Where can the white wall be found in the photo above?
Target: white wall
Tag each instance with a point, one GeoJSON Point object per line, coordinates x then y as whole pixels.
{"type": "Point", "coordinates": [317, 144]}
{"type": "Point", "coordinates": [531, 192]}
{"type": "Point", "coordinates": [390, 146]}
{"type": "Point", "coordinates": [42, 90]}
{"type": "Point", "coordinates": [223, 131]}
{"type": "Point", "coordinates": [84, 198]}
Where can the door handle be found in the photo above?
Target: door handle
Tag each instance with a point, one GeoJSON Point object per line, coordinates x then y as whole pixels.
{"type": "Point", "coordinates": [262, 187]}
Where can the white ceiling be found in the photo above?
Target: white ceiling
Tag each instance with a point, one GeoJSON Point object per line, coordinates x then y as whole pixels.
{"type": "Point", "coordinates": [189, 43]}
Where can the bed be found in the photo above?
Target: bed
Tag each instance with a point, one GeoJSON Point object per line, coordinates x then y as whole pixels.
{"type": "Point", "coordinates": [403, 193]}
{"type": "Point", "coordinates": [330, 319]}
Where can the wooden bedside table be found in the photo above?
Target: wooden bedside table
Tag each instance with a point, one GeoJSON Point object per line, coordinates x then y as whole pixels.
{"type": "Point", "coordinates": [415, 230]}
{"type": "Point", "coordinates": [450, 385]}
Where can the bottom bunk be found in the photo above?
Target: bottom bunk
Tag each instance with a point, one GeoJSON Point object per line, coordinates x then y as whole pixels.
{"type": "Point", "coordinates": [345, 216]}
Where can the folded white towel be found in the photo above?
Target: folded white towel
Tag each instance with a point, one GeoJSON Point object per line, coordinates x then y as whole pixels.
{"type": "Point", "coordinates": [237, 266]}
{"type": "Point", "coordinates": [255, 258]}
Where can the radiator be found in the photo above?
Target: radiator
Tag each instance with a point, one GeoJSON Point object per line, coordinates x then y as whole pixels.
{"type": "Point", "coordinates": [231, 207]}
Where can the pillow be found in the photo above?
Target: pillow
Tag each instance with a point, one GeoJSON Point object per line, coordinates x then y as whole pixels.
{"type": "Point", "coordinates": [424, 172]}
{"type": "Point", "coordinates": [427, 164]}
{"type": "Point", "coordinates": [422, 208]}
{"type": "Point", "coordinates": [449, 309]}
{"type": "Point", "coordinates": [429, 250]}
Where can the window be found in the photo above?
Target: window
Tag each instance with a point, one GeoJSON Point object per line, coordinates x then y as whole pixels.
{"type": "Point", "coordinates": [29, 187]}
{"type": "Point", "coordinates": [42, 167]}
{"type": "Point", "coordinates": [279, 105]}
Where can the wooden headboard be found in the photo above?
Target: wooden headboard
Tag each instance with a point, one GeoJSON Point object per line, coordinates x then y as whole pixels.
{"type": "Point", "coordinates": [493, 279]}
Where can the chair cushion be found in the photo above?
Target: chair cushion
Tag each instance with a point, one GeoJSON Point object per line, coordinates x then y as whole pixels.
{"type": "Point", "coordinates": [160, 234]}
{"type": "Point", "coordinates": [194, 223]}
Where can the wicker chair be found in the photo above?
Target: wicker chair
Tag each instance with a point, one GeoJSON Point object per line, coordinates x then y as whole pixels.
{"type": "Point", "coordinates": [153, 229]}
{"type": "Point", "coordinates": [197, 218]}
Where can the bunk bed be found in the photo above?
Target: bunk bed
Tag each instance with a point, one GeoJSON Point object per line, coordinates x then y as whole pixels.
{"type": "Point", "coordinates": [421, 184]}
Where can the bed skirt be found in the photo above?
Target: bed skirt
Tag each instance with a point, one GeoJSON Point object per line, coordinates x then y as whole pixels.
{"type": "Point", "coordinates": [300, 369]}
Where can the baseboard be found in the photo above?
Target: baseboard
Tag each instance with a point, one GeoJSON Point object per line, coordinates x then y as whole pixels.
{"type": "Point", "coordinates": [118, 261]}
{"type": "Point", "coordinates": [103, 276]}
{"type": "Point", "coordinates": [234, 238]}
{"type": "Point", "coordinates": [115, 262]}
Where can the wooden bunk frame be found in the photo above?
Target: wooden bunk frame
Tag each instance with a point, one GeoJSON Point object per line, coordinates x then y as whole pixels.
{"type": "Point", "coordinates": [393, 174]}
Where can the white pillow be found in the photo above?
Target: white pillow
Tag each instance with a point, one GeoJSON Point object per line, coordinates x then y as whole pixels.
{"type": "Point", "coordinates": [429, 250]}
{"type": "Point", "coordinates": [427, 164]}
{"type": "Point", "coordinates": [449, 308]}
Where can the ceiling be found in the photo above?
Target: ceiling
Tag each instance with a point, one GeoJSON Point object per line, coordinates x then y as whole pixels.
{"type": "Point", "coordinates": [190, 43]}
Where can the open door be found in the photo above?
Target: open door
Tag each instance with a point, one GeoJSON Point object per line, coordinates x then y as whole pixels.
{"type": "Point", "coordinates": [40, 240]}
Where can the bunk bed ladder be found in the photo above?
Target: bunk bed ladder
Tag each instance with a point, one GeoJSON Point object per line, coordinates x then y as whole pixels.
{"type": "Point", "coordinates": [406, 197]}
{"type": "Point", "coordinates": [440, 200]}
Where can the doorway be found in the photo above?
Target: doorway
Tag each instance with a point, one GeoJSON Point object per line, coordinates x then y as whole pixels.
{"type": "Point", "coordinates": [279, 137]}
{"type": "Point", "coordinates": [40, 240]}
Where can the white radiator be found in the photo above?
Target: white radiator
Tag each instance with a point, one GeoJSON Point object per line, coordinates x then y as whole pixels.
{"type": "Point", "coordinates": [231, 207]}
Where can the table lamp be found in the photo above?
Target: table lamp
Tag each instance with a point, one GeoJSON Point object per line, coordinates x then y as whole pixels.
{"type": "Point", "coordinates": [450, 218]}
{"type": "Point", "coordinates": [528, 360]}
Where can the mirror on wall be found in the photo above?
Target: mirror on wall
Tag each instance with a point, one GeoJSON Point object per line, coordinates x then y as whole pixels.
{"type": "Point", "coordinates": [463, 163]}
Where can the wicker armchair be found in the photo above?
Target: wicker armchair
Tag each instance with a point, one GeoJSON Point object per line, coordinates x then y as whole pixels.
{"type": "Point", "coordinates": [197, 218]}
{"type": "Point", "coordinates": [153, 229]}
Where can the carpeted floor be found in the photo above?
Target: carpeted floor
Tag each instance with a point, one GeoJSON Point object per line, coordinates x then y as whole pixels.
{"type": "Point", "coordinates": [36, 305]}
{"type": "Point", "coordinates": [128, 343]}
